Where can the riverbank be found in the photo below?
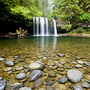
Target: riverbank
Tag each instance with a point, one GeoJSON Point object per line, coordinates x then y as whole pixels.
{"type": "Point", "coordinates": [75, 35]}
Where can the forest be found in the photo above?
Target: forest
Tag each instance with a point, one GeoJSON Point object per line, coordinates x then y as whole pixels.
{"type": "Point", "coordinates": [74, 13]}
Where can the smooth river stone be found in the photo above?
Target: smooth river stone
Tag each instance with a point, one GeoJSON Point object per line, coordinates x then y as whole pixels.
{"type": "Point", "coordinates": [9, 63]}
{"type": "Point", "coordinates": [35, 74]}
{"type": "Point", "coordinates": [74, 75]}
{"type": "Point", "coordinates": [2, 84]}
{"type": "Point", "coordinates": [77, 87]}
{"type": "Point", "coordinates": [35, 66]}
{"type": "Point", "coordinates": [25, 88]}
{"type": "Point", "coordinates": [21, 76]}
{"type": "Point", "coordinates": [2, 59]}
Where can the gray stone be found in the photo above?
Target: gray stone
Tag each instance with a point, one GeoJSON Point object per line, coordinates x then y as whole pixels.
{"type": "Point", "coordinates": [9, 63]}
{"type": "Point", "coordinates": [61, 55]}
{"type": "Point", "coordinates": [38, 83]}
{"type": "Point", "coordinates": [77, 87]}
{"type": "Point", "coordinates": [2, 84]}
{"type": "Point", "coordinates": [21, 76]}
{"type": "Point", "coordinates": [26, 70]}
{"type": "Point", "coordinates": [35, 66]}
{"type": "Point", "coordinates": [80, 62]}
{"type": "Point", "coordinates": [39, 57]}
{"type": "Point", "coordinates": [19, 68]}
{"type": "Point", "coordinates": [8, 69]}
{"type": "Point", "coordinates": [68, 67]}
{"type": "Point", "coordinates": [85, 85]}
{"type": "Point", "coordinates": [62, 80]}
{"type": "Point", "coordinates": [16, 57]}
{"type": "Point", "coordinates": [78, 58]}
{"type": "Point", "coordinates": [1, 78]}
{"type": "Point", "coordinates": [2, 59]}
{"type": "Point", "coordinates": [35, 74]}
{"type": "Point", "coordinates": [50, 83]}
{"type": "Point", "coordinates": [74, 75]}
{"type": "Point", "coordinates": [25, 88]}
{"type": "Point", "coordinates": [88, 64]}
{"type": "Point", "coordinates": [78, 66]}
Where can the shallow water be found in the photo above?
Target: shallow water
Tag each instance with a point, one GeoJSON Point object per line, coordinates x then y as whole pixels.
{"type": "Point", "coordinates": [30, 48]}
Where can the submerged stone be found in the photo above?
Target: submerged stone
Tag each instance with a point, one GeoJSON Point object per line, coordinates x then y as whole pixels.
{"type": "Point", "coordinates": [35, 74]}
{"type": "Point", "coordinates": [74, 75]}
{"type": "Point", "coordinates": [9, 63]}
{"type": "Point", "coordinates": [21, 76]}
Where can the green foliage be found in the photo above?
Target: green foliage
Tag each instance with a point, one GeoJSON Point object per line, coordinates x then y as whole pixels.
{"type": "Point", "coordinates": [81, 30]}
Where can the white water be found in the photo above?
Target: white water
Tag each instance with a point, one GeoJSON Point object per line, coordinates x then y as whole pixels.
{"type": "Point", "coordinates": [55, 29]}
{"type": "Point", "coordinates": [47, 32]}
{"type": "Point", "coordinates": [41, 27]}
{"type": "Point", "coordinates": [37, 25]}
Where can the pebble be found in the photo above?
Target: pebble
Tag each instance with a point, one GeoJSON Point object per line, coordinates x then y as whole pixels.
{"type": "Point", "coordinates": [16, 57]}
{"type": "Point", "coordinates": [25, 88]}
{"type": "Point", "coordinates": [74, 75]}
{"type": "Point", "coordinates": [88, 64]}
{"type": "Point", "coordinates": [50, 83]}
{"type": "Point", "coordinates": [2, 84]}
{"type": "Point", "coordinates": [85, 85]}
{"type": "Point", "coordinates": [1, 78]}
{"type": "Point", "coordinates": [35, 74]}
{"type": "Point", "coordinates": [61, 55]}
{"type": "Point", "coordinates": [8, 69]}
{"type": "Point", "coordinates": [77, 87]}
{"type": "Point", "coordinates": [9, 63]}
{"type": "Point", "coordinates": [78, 66]}
{"type": "Point", "coordinates": [19, 68]}
{"type": "Point", "coordinates": [80, 62]}
{"type": "Point", "coordinates": [51, 74]}
{"type": "Point", "coordinates": [38, 84]}
{"type": "Point", "coordinates": [35, 66]}
{"type": "Point", "coordinates": [78, 58]}
{"type": "Point", "coordinates": [62, 80]}
{"type": "Point", "coordinates": [21, 76]}
{"type": "Point", "coordinates": [2, 59]}
{"type": "Point", "coordinates": [61, 87]}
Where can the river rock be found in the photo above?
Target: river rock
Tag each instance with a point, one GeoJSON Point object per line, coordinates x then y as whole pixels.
{"type": "Point", "coordinates": [78, 66]}
{"type": "Point", "coordinates": [25, 88]}
{"type": "Point", "coordinates": [74, 75]}
{"type": "Point", "coordinates": [9, 63]}
{"type": "Point", "coordinates": [2, 59]}
{"type": "Point", "coordinates": [62, 80]}
{"type": "Point", "coordinates": [85, 85]}
{"type": "Point", "coordinates": [1, 78]}
{"type": "Point", "coordinates": [61, 55]}
{"type": "Point", "coordinates": [35, 66]}
{"type": "Point", "coordinates": [78, 58]}
{"type": "Point", "coordinates": [77, 87]}
{"type": "Point", "coordinates": [2, 84]}
{"type": "Point", "coordinates": [8, 69]}
{"type": "Point", "coordinates": [35, 74]}
{"type": "Point", "coordinates": [19, 68]}
{"type": "Point", "coordinates": [16, 57]}
{"type": "Point", "coordinates": [80, 62]}
{"type": "Point", "coordinates": [38, 84]}
{"type": "Point", "coordinates": [21, 76]}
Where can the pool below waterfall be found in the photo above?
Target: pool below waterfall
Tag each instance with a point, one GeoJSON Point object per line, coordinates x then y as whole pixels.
{"type": "Point", "coordinates": [46, 49]}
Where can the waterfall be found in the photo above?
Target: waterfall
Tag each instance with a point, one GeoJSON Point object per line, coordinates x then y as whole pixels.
{"type": "Point", "coordinates": [47, 32]}
{"type": "Point", "coordinates": [37, 25]}
{"type": "Point", "coordinates": [41, 27]}
{"type": "Point", "coordinates": [55, 29]}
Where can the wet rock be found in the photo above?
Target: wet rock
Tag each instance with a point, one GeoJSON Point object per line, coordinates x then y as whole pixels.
{"type": "Point", "coordinates": [62, 80]}
{"type": "Point", "coordinates": [38, 84]}
{"type": "Point", "coordinates": [51, 74]}
{"type": "Point", "coordinates": [2, 84]}
{"type": "Point", "coordinates": [77, 87]}
{"type": "Point", "coordinates": [50, 83]}
{"type": "Point", "coordinates": [19, 68]}
{"type": "Point", "coordinates": [1, 78]}
{"type": "Point", "coordinates": [74, 75]}
{"type": "Point", "coordinates": [35, 74]}
{"type": "Point", "coordinates": [39, 62]}
{"type": "Point", "coordinates": [35, 66]}
{"type": "Point", "coordinates": [26, 70]}
{"type": "Point", "coordinates": [61, 55]}
{"type": "Point", "coordinates": [78, 58]}
{"type": "Point", "coordinates": [85, 85]}
{"type": "Point", "coordinates": [78, 66]}
{"type": "Point", "coordinates": [25, 88]}
{"type": "Point", "coordinates": [8, 69]}
{"type": "Point", "coordinates": [2, 59]}
{"type": "Point", "coordinates": [21, 76]}
{"type": "Point", "coordinates": [9, 63]}
{"type": "Point", "coordinates": [80, 62]}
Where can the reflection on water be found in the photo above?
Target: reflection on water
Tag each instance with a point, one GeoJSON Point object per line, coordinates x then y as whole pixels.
{"type": "Point", "coordinates": [46, 41]}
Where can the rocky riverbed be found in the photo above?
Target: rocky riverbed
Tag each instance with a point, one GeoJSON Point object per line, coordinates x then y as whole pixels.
{"type": "Point", "coordinates": [29, 66]}
{"type": "Point", "coordinates": [45, 74]}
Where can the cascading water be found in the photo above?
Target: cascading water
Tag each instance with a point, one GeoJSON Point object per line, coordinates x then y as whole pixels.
{"type": "Point", "coordinates": [55, 29]}
{"type": "Point", "coordinates": [41, 27]}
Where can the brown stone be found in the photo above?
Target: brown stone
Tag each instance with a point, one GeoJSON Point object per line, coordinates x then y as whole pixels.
{"type": "Point", "coordinates": [51, 74]}
{"type": "Point", "coordinates": [61, 87]}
